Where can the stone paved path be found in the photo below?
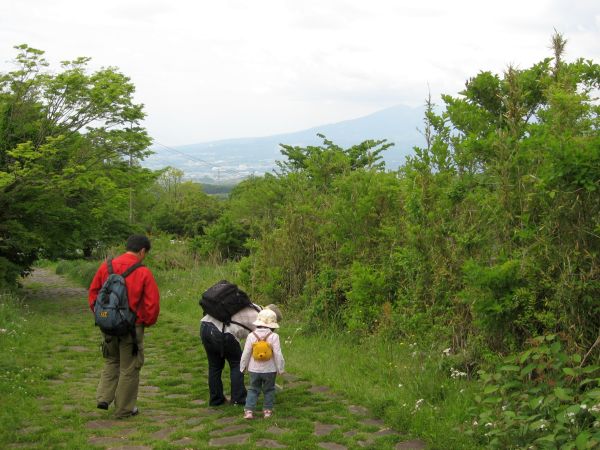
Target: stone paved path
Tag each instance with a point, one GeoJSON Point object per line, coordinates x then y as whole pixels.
{"type": "Point", "coordinates": [173, 393]}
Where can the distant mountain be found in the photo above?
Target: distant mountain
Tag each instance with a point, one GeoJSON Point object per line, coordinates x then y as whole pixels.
{"type": "Point", "coordinates": [232, 159]}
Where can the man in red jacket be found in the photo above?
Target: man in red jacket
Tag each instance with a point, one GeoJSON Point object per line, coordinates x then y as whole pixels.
{"type": "Point", "coordinates": [120, 376]}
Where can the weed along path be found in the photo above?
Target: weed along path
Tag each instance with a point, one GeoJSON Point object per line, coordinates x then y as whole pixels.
{"type": "Point", "coordinates": [64, 353]}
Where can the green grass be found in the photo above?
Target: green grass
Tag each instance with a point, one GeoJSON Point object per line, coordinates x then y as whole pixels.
{"type": "Point", "coordinates": [409, 388]}
{"type": "Point", "coordinates": [50, 365]}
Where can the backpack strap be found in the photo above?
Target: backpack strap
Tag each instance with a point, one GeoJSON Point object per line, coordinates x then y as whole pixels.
{"type": "Point", "coordinates": [131, 269]}
{"type": "Point", "coordinates": [254, 307]}
{"type": "Point", "coordinates": [265, 338]}
{"type": "Point", "coordinates": [240, 324]}
{"type": "Point", "coordinates": [125, 274]}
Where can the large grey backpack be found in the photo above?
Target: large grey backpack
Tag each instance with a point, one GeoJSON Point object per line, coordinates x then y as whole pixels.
{"type": "Point", "coordinates": [111, 310]}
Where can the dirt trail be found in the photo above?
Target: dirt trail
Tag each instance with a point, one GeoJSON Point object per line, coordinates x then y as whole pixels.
{"type": "Point", "coordinates": [173, 393]}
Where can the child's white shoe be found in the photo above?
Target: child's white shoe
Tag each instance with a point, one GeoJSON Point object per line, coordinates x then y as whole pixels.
{"type": "Point", "coordinates": [248, 414]}
{"type": "Point", "coordinates": [267, 413]}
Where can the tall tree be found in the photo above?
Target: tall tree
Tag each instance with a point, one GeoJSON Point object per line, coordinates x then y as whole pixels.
{"type": "Point", "coordinates": [68, 145]}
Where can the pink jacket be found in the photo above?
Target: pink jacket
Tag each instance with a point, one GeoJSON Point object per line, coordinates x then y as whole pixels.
{"type": "Point", "coordinates": [275, 364]}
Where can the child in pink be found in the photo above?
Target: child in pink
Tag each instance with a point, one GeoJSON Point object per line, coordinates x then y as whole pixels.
{"type": "Point", "coordinates": [262, 373]}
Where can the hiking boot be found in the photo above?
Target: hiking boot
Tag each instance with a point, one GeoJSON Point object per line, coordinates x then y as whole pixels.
{"type": "Point", "coordinates": [267, 413]}
{"type": "Point", "coordinates": [248, 414]}
{"type": "Point", "coordinates": [102, 405]}
{"type": "Point", "coordinates": [134, 412]}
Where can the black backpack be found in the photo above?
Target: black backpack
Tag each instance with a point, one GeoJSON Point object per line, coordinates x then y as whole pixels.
{"type": "Point", "coordinates": [223, 300]}
{"type": "Point", "coordinates": [111, 310]}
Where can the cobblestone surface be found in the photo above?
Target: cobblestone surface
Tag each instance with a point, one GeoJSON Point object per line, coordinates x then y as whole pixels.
{"type": "Point", "coordinates": [173, 392]}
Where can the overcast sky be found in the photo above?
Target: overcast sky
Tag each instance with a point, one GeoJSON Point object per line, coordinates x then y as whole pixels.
{"type": "Point", "coordinates": [208, 70]}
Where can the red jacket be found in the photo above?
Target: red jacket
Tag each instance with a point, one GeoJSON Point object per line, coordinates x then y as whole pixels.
{"type": "Point", "coordinates": [141, 286]}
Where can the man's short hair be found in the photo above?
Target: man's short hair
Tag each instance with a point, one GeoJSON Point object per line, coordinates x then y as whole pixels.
{"type": "Point", "coordinates": [136, 242]}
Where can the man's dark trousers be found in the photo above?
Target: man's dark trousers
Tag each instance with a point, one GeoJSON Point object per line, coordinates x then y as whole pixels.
{"type": "Point", "coordinates": [220, 347]}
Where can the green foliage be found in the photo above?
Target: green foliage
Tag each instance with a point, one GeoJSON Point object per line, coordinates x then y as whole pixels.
{"type": "Point", "coordinates": [488, 235]}
{"type": "Point", "coordinates": [365, 298]}
{"type": "Point", "coordinates": [68, 144]}
{"type": "Point", "coordinates": [323, 163]}
{"type": "Point", "coordinates": [177, 207]}
{"type": "Point", "coordinates": [218, 189]}
{"type": "Point", "coordinates": [501, 302]}
{"type": "Point", "coordinates": [540, 398]}
{"type": "Point", "coordinates": [324, 298]}
{"type": "Point", "coordinates": [224, 239]}
{"type": "Point", "coordinates": [79, 270]}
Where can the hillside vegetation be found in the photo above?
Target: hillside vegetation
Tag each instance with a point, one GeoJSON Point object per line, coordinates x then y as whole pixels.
{"type": "Point", "coordinates": [484, 244]}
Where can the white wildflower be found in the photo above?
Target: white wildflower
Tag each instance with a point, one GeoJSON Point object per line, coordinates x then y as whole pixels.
{"type": "Point", "coordinates": [400, 385]}
{"type": "Point", "coordinates": [489, 424]}
{"type": "Point", "coordinates": [454, 373]}
{"type": "Point", "coordinates": [3, 330]}
{"type": "Point", "coordinates": [419, 403]}
{"type": "Point", "coordinates": [584, 406]}
{"type": "Point", "coordinates": [595, 408]}
{"type": "Point", "coordinates": [475, 423]}
{"type": "Point", "coordinates": [446, 352]}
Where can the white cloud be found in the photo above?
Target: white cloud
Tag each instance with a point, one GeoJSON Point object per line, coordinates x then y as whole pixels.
{"type": "Point", "coordinates": [232, 68]}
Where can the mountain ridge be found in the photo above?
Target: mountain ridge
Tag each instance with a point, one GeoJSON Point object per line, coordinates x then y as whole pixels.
{"type": "Point", "coordinates": [238, 158]}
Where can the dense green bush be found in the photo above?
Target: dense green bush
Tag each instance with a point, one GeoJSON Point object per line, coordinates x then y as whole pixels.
{"type": "Point", "coordinates": [487, 236]}
{"type": "Point", "coordinates": [540, 398]}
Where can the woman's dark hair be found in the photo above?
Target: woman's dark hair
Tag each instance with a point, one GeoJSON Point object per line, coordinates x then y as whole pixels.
{"type": "Point", "coordinates": [136, 242]}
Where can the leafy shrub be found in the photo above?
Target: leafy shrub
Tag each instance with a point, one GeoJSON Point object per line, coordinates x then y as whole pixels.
{"type": "Point", "coordinates": [503, 305]}
{"type": "Point", "coordinates": [79, 270]}
{"type": "Point", "coordinates": [323, 297]}
{"type": "Point", "coordinates": [365, 298]}
{"type": "Point", "coordinates": [169, 254]}
{"type": "Point", "coordinates": [540, 398]}
{"type": "Point", "coordinates": [225, 238]}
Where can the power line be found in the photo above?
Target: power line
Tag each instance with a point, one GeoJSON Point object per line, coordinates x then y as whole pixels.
{"type": "Point", "coordinates": [207, 163]}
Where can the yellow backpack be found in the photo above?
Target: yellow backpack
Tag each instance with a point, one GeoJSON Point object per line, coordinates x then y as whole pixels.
{"type": "Point", "coordinates": [261, 349]}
